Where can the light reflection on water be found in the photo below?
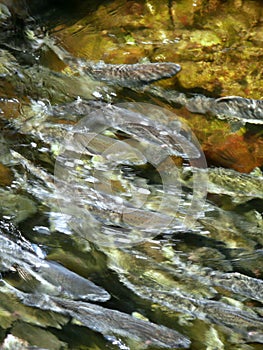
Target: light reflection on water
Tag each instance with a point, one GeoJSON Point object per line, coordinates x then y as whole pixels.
{"type": "Point", "coordinates": [177, 280]}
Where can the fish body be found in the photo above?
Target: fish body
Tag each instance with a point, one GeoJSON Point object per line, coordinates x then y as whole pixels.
{"type": "Point", "coordinates": [129, 75]}
{"type": "Point", "coordinates": [52, 277]}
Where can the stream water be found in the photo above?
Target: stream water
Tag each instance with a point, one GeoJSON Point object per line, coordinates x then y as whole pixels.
{"type": "Point", "coordinates": [131, 200]}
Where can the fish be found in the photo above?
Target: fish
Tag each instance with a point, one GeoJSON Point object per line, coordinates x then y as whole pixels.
{"type": "Point", "coordinates": [125, 75]}
{"type": "Point", "coordinates": [141, 128]}
{"type": "Point", "coordinates": [104, 320]}
{"type": "Point", "coordinates": [114, 150]}
{"type": "Point", "coordinates": [231, 108]}
{"type": "Point", "coordinates": [52, 277]}
{"type": "Point", "coordinates": [71, 284]}
{"type": "Point", "coordinates": [128, 75]}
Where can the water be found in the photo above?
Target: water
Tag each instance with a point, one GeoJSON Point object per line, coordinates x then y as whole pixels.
{"type": "Point", "coordinates": [83, 182]}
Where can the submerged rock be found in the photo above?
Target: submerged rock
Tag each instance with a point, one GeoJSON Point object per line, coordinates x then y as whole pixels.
{"type": "Point", "coordinates": [205, 282]}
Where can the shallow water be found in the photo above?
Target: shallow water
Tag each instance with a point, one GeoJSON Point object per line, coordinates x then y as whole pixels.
{"type": "Point", "coordinates": [115, 232]}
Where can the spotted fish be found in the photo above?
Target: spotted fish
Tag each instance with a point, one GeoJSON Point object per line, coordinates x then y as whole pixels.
{"type": "Point", "coordinates": [129, 75]}
{"type": "Point", "coordinates": [132, 74]}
